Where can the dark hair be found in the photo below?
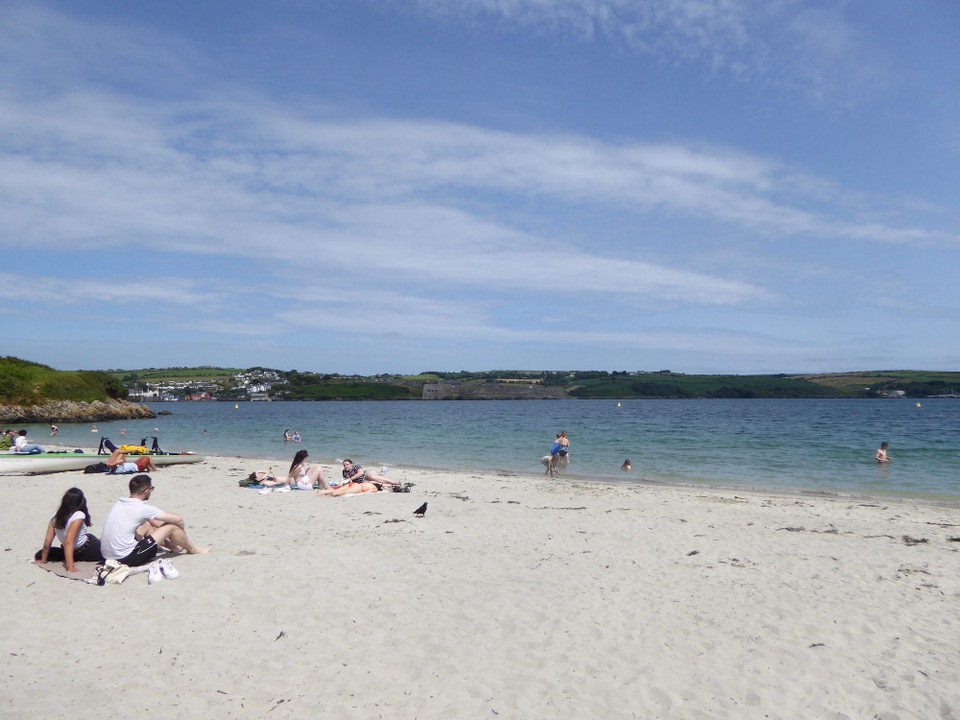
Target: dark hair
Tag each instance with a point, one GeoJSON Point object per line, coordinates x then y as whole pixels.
{"type": "Point", "coordinates": [22, 432]}
{"type": "Point", "coordinates": [139, 483]}
{"type": "Point", "coordinates": [298, 458]}
{"type": "Point", "coordinates": [253, 476]}
{"type": "Point", "coordinates": [72, 501]}
{"type": "Point", "coordinates": [348, 460]}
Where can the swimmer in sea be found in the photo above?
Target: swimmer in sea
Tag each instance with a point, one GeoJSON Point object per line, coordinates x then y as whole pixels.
{"type": "Point", "coordinates": [881, 455]}
{"type": "Point", "coordinates": [626, 467]}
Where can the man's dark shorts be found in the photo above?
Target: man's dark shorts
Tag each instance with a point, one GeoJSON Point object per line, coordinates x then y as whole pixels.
{"type": "Point", "coordinates": [144, 552]}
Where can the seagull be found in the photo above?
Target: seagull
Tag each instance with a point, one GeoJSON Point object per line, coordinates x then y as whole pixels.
{"type": "Point", "coordinates": [421, 511]}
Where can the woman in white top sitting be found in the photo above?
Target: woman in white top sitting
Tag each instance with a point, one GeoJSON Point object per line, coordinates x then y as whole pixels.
{"type": "Point", "coordinates": [69, 526]}
{"type": "Point", "coordinates": [301, 475]}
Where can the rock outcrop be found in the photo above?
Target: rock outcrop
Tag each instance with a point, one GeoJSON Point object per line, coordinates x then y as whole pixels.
{"type": "Point", "coordinates": [67, 411]}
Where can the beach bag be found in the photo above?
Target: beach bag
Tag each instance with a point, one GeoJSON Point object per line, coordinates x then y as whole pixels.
{"type": "Point", "coordinates": [97, 468]}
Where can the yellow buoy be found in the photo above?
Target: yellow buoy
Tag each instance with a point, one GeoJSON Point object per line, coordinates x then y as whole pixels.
{"type": "Point", "coordinates": [919, 405]}
{"type": "Point", "coordinates": [618, 404]}
{"type": "Point", "coordinates": [236, 407]}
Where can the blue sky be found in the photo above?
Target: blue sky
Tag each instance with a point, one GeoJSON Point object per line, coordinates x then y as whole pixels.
{"type": "Point", "coordinates": [398, 186]}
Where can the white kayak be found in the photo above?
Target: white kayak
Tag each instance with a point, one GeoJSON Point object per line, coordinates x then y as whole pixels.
{"type": "Point", "coordinates": [11, 464]}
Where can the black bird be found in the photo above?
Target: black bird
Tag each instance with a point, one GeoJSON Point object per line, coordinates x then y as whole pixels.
{"type": "Point", "coordinates": [421, 511]}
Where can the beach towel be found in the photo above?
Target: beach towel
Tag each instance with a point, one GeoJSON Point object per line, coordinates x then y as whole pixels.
{"type": "Point", "coordinates": [109, 573]}
{"type": "Point", "coordinates": [85, 570]}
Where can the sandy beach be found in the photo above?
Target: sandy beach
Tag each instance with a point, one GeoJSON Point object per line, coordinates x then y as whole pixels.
{"type": "Point", "coordinates": [514, 597]}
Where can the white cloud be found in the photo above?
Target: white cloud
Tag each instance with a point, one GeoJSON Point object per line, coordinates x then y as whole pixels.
{"type": "Point", "coordinates": [127, 289]}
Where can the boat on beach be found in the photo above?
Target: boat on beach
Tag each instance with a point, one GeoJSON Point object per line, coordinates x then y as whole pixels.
{"type": "Point", "coordinates": [54, 462]}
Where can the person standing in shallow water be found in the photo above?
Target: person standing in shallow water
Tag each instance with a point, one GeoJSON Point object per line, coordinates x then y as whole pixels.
{"type": "Point", "coordinates": [882, 455]}
{"type": "Point", "coordinates": [564, 454]}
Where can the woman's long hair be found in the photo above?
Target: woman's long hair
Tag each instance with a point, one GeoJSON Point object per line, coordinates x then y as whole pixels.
{"type": "Point", "coordinates": [297, 459]}
{"type": "Point", "coordinates": [73, 500]}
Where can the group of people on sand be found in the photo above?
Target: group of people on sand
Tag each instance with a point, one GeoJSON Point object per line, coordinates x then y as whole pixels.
{"type": "Point", "coordinates": [302, 476]}
{"type": "Point", "coordinates": [15, 441]}
{"type": "Point", "coordinates": [133, 532]}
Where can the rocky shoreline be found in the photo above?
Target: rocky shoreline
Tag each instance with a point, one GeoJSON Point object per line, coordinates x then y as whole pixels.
{"type": "Point", "coordinates": [67, 411]}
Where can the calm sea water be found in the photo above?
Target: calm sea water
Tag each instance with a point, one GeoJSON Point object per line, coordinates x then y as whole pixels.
{"type": "Point", "coordinates": [798, 445]}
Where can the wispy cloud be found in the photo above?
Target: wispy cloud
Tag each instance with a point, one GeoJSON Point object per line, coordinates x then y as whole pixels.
{"type": "Point", "coordinates": [810, 49]}
{"type": "Point", "coordinates": [54, 291]}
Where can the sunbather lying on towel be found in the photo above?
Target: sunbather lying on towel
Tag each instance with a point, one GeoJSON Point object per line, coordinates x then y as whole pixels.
{"type": "Point", "coordinates": [117, 462]}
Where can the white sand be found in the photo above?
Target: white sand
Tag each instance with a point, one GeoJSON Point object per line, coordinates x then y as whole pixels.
{"type": "Point", "coordinates": [515, 597]}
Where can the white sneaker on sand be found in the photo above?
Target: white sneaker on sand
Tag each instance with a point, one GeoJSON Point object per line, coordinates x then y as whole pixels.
{"type": "Point", "coordinates": [168, 570]}
{"type": "Point", "coordinates": [265, 491]}
{"type": "Point", "coordinates": [153, 574]}
{"type": "Point", "coordinates": [285, 488]}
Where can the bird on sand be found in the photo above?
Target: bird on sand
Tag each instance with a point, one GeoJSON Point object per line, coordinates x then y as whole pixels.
{"type": "Point", "coordinates": [421, 511]}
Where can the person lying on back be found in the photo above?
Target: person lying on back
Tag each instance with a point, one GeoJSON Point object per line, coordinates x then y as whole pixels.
{"type": "Point", "coordinates": [117, 462]}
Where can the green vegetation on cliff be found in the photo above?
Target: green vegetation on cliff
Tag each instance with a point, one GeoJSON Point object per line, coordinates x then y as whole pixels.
{"type": "Point", "coordinates": [28, 383]}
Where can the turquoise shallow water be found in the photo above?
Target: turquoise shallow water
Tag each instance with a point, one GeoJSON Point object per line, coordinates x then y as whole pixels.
{"type": "Point", "coordinates": [796, 445]}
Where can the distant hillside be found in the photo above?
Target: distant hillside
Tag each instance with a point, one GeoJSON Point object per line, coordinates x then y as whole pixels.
{"type": "Point", "coordinates": [914, 383]}
{"type": "Point", "coordinates": [27, 383]}
{"type": "Point", "coordinates": [492, 384]}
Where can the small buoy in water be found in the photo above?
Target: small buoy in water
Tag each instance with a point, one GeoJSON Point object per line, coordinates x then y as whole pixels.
{"type": "Point", "coordinates": [919, 405]}
{"type": "Point", "coordinates": [618, 404]}
{"type": "Point", "coordinates": [236, 407]}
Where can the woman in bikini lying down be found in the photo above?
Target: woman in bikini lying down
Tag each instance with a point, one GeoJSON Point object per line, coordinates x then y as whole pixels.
{"type": "Point", "coordinates": [358, 480]}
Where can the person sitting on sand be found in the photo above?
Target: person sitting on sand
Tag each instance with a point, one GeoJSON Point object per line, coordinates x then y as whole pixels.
{"type": "Point", "coordinates": [626, 467]}
{"type": "Point", "coordinates": [69, 525]}
{"type": "Point", "coordinates": [881, 455]}
{"type": "Point", "coordinates": [353, 473]}
{"type": "Point", "coordinates": [22, 447]}
{"type": "Point", "coordinates": [301, 475]}
{"type": "Point", "coordinates": [135, 530]}
{"type": "Point", "coordinates": [117, 462]}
